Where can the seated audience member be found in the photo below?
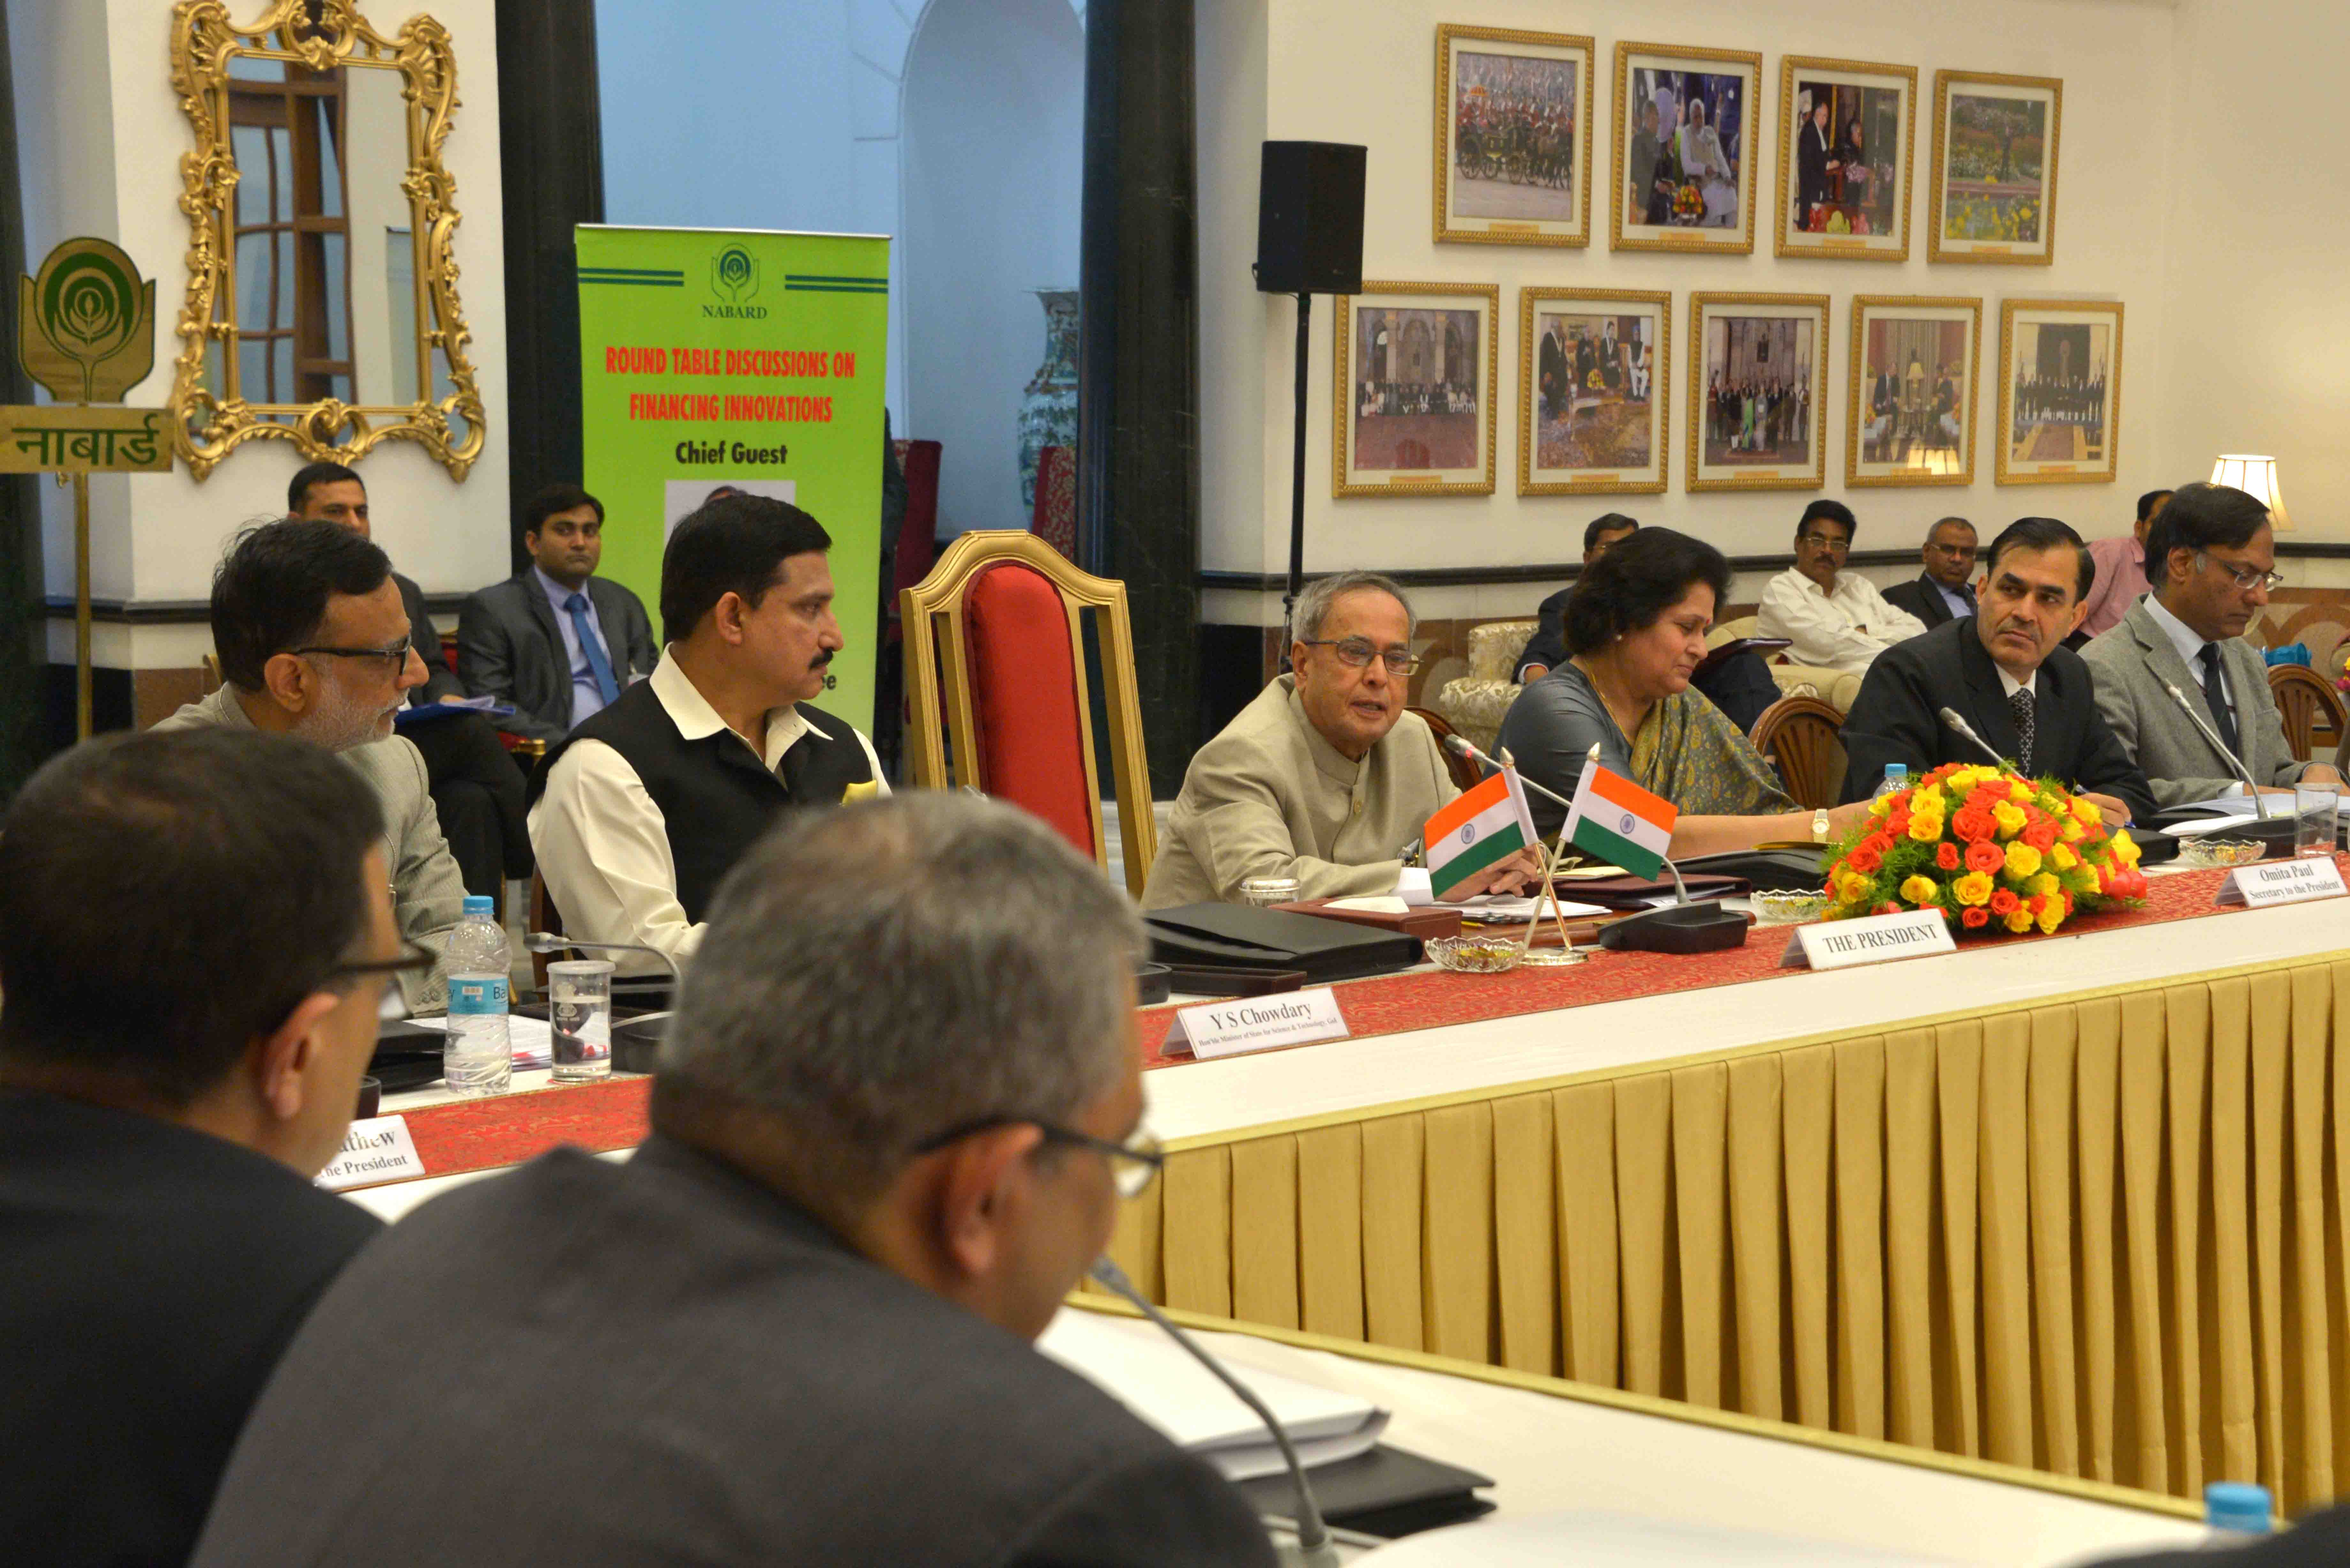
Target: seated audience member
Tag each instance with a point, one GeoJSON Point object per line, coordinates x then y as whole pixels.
{"type": "Point", "coordinates": [1941, 593]}
{"type": "Point", "coordinates": [1323, 776]}
{"type": "Point", "coordinates": [791, 1330]}
{"type": "Point", "coordinates": [1634, 630]}
{"type": "Point", "coordinates": [1548, 647]}
{"type": "Point", "coordinates": [313, 643]}
{"type": "Point", "coordinates": [194, 937]}
{"type": "Point", "coordinates": [477, 787]}
{"type": "Point", "coordinates": [2004, 670]}
{"type": "Point", "coordinates": [1834, 619]}
{"type": "Point", "coordinates": [2121, 568]}
{"type": "Point", "coordinates": [647, 804]}
{"type": "Point", "coordinates": [554, 639]}
{"type": "Point", "coordinates": [2215, 551]}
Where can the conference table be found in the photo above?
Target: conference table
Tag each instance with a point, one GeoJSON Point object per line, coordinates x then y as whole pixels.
{"type": "Point", "coordinates": [2066, 1206]}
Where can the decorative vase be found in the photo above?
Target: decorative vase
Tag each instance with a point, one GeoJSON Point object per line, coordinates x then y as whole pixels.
{"type": "Point", "coordinates": [1048, 415]}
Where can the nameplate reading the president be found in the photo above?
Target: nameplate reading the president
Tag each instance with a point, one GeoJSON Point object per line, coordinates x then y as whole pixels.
{"type": "Point", "coordinates": [1256, 1023]}
{"type": "Point", "coordinates": [2282, 882]}
{"type": "Point", "coordinates": [378, 1149]}
{"type": "Point", "coordinates": [1878, 939]}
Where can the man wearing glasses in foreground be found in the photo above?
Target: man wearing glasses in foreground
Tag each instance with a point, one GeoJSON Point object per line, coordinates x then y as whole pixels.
{"type": "Point", "coordinates": [2211, 559]}
{"type": "Point", "coordinates": [1834, 618]}
{"type": "Point", "coordinates": [194, 941]}
{"type": "Point", "coordinates": [792, 1328]}
{"type": "Point", "coordinates": [314, 642]}
{"type": "Point", "coordinates": [1324, 776]}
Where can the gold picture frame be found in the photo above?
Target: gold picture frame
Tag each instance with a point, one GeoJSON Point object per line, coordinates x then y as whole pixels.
{"type": "Point", "coordinates": [1876, 218]}
{"type": "Point", "coordinates": [2039, 249]}
{"type": "Point", "coordinates": [1679, 61]}
{"type": "Point", "coordinates": [1750, 401]}
{"type": "Point", "coordinates": [211, 416]}
{"type": "Point", "coordinates": [1630, 378]}
{"type": "Point", "coordinates": [1914, 410]}
{"type": "Point", "coordinates": [1422, 332]}
{"type": "Point", "coordinates": [2083, 412]}
{"type": "Point", "coordinates": [1514, 147]}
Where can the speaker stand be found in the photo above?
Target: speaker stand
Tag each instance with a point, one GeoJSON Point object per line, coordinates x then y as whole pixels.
{"type": "Point", "coordinates": [1296, 489]}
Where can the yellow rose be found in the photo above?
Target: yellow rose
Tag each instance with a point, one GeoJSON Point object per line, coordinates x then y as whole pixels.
{"type": "Point", "coordinates": [2051, 917]}
{"type": "Point", "coordinates": [2126, 849]}
{"type": "Point", "coordinates": [2010, 818]}
{"type": "Point", "coordinates": [2072, 832]}
{"type": "Point", "coordinates": [1972, 888]}
{"type": "Point", "coordinates": [1925, 829]}
{"type": "Point", "coordinates": [2020, 921]}
{"type": "Point", "coordinates": [2019, 790]}
{"type": "Point", "coordinates": [1852, 888]}
{"type": "Point", "coordinates": [2060, 856]}
{"type": "Point", "coordinates": [2044, 885]}
{"type": "Point", "coordinates": [2085, 812]}
{"type": "Point", "coordinates": [2023, 860]}
{"type": "Point", "coordinates": [1880, 805]}
{"type": "Point", "coordinates": [1919, 889]}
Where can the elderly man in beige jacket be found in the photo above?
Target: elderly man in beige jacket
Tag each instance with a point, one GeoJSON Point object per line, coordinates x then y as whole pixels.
{"type": "Point", "coordinates": [1324, 777]}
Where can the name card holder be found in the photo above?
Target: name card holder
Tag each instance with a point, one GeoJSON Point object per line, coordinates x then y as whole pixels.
{"type": "Point", "coordinates": [2282, 882]}
{"type": "Point", "coordinates": [1876, 939]}
{"type": "Point", "coordinates": [376, 1150]}
{"type": "Point", "coordinates": [1235, 1028]}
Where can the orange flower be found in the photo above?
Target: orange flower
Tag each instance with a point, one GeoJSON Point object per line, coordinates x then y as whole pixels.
{"type": "Point", "coordinates": [1974, 920]}
{"type": "Point", "coordinates": [2004, 902]}
{"type": "Point", "coordinates": [1986, 858]}
{"type": "Point", "coordinates": [1946, 856]}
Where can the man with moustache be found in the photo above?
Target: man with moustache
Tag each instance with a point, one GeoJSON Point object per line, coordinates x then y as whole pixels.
{"type": "Point", "coordinates": [644, 806]}
{"type": "Point", "coordinates": [314, 642]}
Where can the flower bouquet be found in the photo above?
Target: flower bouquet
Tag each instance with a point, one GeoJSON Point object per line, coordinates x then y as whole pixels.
{"type": "Point", "coordinates": [1988, 848]}
{"type": "Point", "coordinates": [1689, 202]}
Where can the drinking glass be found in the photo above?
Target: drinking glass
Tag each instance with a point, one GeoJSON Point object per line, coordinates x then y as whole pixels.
{"type": "Point", "coordinates": [2315, 809]}
{"type": "Point", "coordinates": [579, 1015]}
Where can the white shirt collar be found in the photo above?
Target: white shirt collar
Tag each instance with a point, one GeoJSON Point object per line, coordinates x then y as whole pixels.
{"type": "Point", "coordinates": [1850, 584]}
{"type": "Point", "coordinates": [2009, 685]}
{"type": "Point", "coordinates": [2182, 637]}
{"type": "Point", "coordinates": [557, 594]}
{"type": "Point", "coordinates": [694, 717]}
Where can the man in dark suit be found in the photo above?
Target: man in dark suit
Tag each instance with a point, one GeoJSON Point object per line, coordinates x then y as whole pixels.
{"type": "Point", "coordinates": [1815, 154]}
{"type": "Point", "coordinates": [194, 938]}
{"type": "Point", "coordinates": [1940, 591]}
{"type": "Point", "coordinates": [793, 1329]}
{"type": "Point", "coordinates": [2003, 671]}
{"type": "Point", "coordinates": [1547, 647]}
{"type": "Point", "coordinates": [476, 788]}
{"type": "Point", "coordinates": [556, 640]}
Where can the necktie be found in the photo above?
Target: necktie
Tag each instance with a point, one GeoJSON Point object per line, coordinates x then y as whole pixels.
{"type": "Point", "coordinates": [598, 664]}
{"type": "Point", "coordinates": [2215, 692]}
{"type": "Point", "coordinates": [2019, 708]}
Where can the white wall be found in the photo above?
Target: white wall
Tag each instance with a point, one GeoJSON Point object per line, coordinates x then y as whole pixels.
{"type": "Point", "coordinates": [103, 135]}
{"type": "Point", "coordinates": [1336, 70]}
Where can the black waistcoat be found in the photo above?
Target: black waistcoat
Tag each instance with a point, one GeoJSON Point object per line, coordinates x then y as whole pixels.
{"type": "Point", "coordinates": [716, 796]}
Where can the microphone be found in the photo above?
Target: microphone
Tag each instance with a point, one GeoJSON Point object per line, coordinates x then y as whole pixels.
{"type": "Point", "coordinates": [2235, 764]}
{"type": "Point", "coordinates": [1313, 1548]}
{"type": "Point", "coordinates": [1956, 721]}
{"type": "Point", "coordinates": [556, 942]}
{"type": "Point", "coordinates": [1460, 746]}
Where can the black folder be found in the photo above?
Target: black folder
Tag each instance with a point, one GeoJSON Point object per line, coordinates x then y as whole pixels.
{"type": "Point", "coordinates": [1387, 1492]}
{"type": "Point", "coordinates": [1192, 936]}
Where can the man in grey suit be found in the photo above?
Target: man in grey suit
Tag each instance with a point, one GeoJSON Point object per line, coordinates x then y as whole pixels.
{"type": "Point", "coordinates": [793, 1329]}
{"type": "Point", "coordinates": [313, 643]}
{"type": "Point", "coordinates": [556, 640]}
{"type": "Point", "coordinates": [2177, 664]}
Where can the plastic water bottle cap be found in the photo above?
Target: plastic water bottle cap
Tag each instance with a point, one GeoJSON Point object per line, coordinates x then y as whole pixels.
{"type": "Point", "coordinates": [481, 904]}
{"type": "Point", "coordinates": [2237, 1505]}
{"type": "Point", "coordinates": [1896, 770]}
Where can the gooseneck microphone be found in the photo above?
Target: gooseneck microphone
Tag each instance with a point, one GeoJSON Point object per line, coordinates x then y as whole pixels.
{"type": "Point", "coordinates": [556, 942]}
{"type": "Point", "coordinates": [1460, 746]}
{"type": "Point", "coordinates": [1314, 1547]}
{"type": "Point", "coordinates": [2235, 763]}
{"type": "Point", "coordinates": [1956, 721]}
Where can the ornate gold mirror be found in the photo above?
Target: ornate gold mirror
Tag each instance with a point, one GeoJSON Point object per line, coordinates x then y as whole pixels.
{"type": "Point", "coordinates": [322, 288]}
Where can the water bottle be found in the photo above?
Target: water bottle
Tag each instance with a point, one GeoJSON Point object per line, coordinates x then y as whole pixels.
{"type": "Point", "coordinates": [1896, 779]}
{"type": "Point", "coordinates": [479, 1059]}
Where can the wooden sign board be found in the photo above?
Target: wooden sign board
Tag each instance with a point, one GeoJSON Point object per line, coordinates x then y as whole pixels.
{"type": "Point", "coordinates": [78, 439]}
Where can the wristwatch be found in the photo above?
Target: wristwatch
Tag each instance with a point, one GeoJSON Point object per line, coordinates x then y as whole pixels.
{"type": "Point", "coordinates": [1820, 825]}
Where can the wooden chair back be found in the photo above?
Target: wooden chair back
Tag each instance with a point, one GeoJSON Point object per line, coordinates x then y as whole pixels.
{"type": "Point", "coordinates": [212, 672]}
{"type": "Point", "coordinates": [944, 732]}
{"type": "Point", "coordinates": [2308, 703]}
{"type": "Point", "coordinates": [1466, 774]}
{"type": "Point", "coordinates": [1804, 737]}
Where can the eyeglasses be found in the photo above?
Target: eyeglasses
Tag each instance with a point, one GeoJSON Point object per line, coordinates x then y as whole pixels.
{"type": "Point", "coordinates": [1357, 653]}
{"type": "Point", "coordinates": [1133, 1165]}
{"type": "Point", "coordinates": [1954, 552]}
{"type": "Point", "coordinates": [1826, 542]}
{"type": "Point", "coordinates": [2246, 578]}
{"type": "Point", "coordinates": [412, 960]}
{"type": "Point", "coordinates": [398, 652]}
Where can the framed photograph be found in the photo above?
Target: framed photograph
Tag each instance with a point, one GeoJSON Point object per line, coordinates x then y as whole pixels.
{"type": "Point", "coordinates": [1684, 165]}
{"type": "Point", "coordinates": [2060, 390]}
{"type": "Point", "coordinates": [1846, 129]}
{"type": "Point", "coordinates": [1758, 384]}
{"type": "Point", "coordinates": [1994, 196]}
{"type": "Point", "coordinates": [1910, 418]}
{"type": "Point", "coordinates": [1594, 372]}
{"type": "Point", "coordinates": [1513, 136]}
{"type": "Point", "coordinates": [1412, 397]}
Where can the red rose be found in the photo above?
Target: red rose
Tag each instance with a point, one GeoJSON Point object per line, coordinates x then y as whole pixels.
{"type": "Point", "coordinates": [1882, 843]}
{"type": "Point", "coordinates": [2037, 903]}
{"type": "Point", "coordinates": [2040, 835]}
{"type": "Point", "coordinates": [1986, 859]}
{"type": "Point", "coordinates": [1973, 825]}
{"type": "Point", "coordinates": [1946, 856]}
{"type": "Point", "coordinates": [1887, 908]}
{"type": "Point", "coordinates": [1975, 917]}
{"type": "Point", "coordinates": [1897, 822]}
{"type": "Point", "coordinates": [1862, 859]}
{"type": "Point", "coordinates": [2004, 902]}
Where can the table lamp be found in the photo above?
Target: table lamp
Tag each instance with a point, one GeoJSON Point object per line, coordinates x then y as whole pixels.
{"type": "Point", "coordinates": [2257, 477]}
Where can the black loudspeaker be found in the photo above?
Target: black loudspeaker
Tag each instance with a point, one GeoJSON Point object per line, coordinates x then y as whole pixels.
{"type": "Point", "coordinates": [1309, 218]}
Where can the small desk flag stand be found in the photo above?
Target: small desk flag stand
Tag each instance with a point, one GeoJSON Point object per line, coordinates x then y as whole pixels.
{"type": "Point", "coordinates": [1547, 894]}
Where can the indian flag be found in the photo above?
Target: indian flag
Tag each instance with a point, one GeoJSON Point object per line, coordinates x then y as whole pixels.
{"type": "Point", "coordinates": [1487, 824]}
{"type": "Point", "coordinates": [1619, 822]}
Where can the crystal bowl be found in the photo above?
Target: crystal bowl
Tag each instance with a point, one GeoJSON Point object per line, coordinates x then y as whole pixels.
{"type": "Point", "coordinates": [2205, 851]}
{"type": "Point", "coordinates": [1789, 909]}
{"type": "Point", "coordinates": [1473, 955]}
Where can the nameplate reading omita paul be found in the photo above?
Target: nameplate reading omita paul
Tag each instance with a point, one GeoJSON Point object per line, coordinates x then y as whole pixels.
{"type": "Point", "coordinates": [1256, 1023]}
{"type": "Point", "coordinates": [1878, 938]}
{"type": "Point", "coordinates": [68, 438]}
{"type": "Point", "coordinates": [2283, 882]}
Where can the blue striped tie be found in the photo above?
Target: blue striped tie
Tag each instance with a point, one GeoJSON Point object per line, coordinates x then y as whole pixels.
{"type": "Point", "coordinates": [598, 664]}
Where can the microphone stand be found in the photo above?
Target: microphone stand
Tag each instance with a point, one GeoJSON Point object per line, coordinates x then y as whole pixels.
{"type": "Point", "coordinates": [2235, 763]}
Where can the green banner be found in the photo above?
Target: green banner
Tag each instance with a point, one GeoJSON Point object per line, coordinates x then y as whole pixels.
{"type": "Point", "coordinates": [711, 357]}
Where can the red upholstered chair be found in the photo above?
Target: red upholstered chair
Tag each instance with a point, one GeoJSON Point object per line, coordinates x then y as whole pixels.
{"type": "Point", "coordinates": [1055, 518]}
{"type": "Point", "coordinates": [996, 673]}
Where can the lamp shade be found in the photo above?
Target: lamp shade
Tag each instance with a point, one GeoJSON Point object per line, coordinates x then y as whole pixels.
{"type": "Point", "coordinates": [2256, 477]}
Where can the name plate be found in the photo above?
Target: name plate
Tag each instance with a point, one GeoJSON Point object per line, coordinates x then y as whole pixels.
{"type": "Point", "coordinates": [64, 438]}
{"type": "Point", "coordinates": [377, 1149]}
{"type": "Point", "coordinates": [1257, 1023]}
{"type": "Point", "coordinates": [2282, 882]}
{"type": "Point", "coordinates": [1876, 939]}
